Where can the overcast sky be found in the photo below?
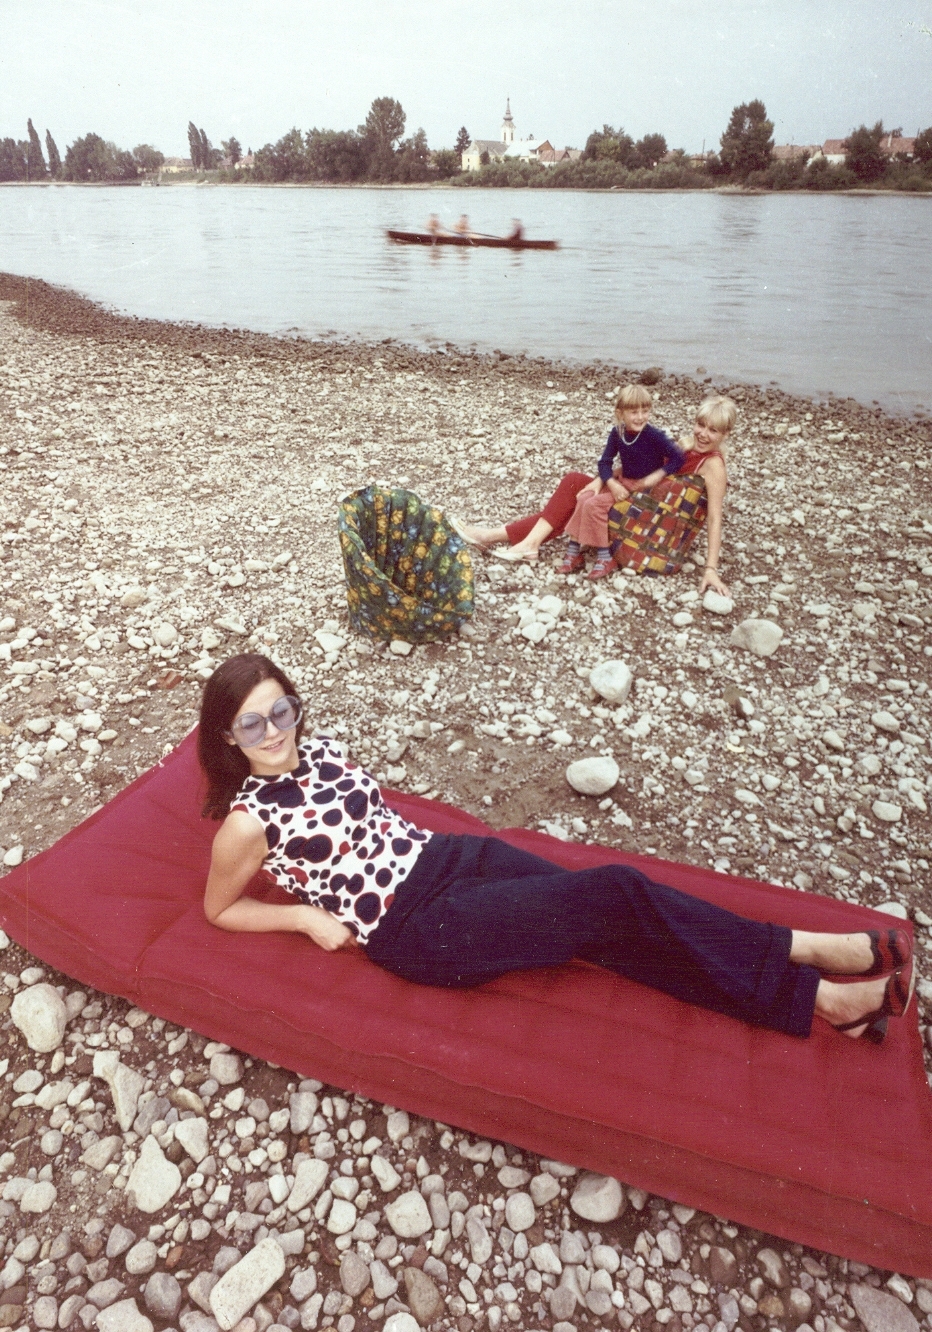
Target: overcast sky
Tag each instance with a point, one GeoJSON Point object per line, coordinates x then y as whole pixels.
{"type": "Point", "coordinates": [137, 72]}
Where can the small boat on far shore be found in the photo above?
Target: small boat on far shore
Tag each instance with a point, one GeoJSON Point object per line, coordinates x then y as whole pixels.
{"type": "Point", "coordinates": [452, 238]}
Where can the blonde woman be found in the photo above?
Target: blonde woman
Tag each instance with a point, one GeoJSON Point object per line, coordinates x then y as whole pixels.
{"type": "Point", "coordinates": [700, 454]}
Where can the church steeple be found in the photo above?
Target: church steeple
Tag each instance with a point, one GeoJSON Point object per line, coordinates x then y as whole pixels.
{"type": "Point", "coordinates": [508, 124]}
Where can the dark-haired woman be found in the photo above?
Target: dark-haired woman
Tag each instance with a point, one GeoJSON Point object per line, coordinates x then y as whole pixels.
{"type": "Point", "coordinates": [457, 911]}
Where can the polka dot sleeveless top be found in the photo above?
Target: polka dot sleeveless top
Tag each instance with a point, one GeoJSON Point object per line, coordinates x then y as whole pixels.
{"type": "Point", "coordinates": [332, 842]}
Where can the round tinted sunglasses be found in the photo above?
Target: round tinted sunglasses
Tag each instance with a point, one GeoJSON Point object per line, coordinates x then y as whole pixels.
{"type": "Point", "coordinates": [250, 728]}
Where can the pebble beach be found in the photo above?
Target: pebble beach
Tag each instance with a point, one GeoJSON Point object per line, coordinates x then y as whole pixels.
{"type": "Point", "coordinates": [169, 498]}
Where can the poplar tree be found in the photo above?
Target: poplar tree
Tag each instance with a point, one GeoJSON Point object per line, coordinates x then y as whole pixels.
{"type": "Point", "coordinates": [54, 156]}
{"type": "Point", "coordinates": [463, 140]}
{"type": "Point", "coordinates": [35, 162]}
{"type": "Point", "coordinates": [194, 145]}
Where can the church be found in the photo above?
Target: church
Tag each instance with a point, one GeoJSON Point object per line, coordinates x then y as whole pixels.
{"type": "Point", "coordinates": [506, 147]}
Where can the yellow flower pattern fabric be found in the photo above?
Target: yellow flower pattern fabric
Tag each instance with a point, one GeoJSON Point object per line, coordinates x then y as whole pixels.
{"type": "Point", "coordinates": [408, 575]}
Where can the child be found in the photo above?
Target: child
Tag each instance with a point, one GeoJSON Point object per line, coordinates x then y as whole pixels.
{"type": "Point", "coordinates": [645, 455]}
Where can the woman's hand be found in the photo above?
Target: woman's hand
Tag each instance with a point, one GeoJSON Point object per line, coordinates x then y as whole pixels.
{"type": "Point", "coordinates": [648, 482]}
{"type": "Point", "coordinates": [711, 579]}
{"type": "Point", "coordinates": [618, 489]}
{"type": "Point", "coordinates": [238, 852]}
{"type": "Point", "coordinates": [593, 488]}
{"type": "Point", "coordinates": [326, 931]}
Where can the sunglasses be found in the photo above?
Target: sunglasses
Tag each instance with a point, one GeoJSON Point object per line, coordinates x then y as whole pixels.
{"type": "Point", "coordinates": [250, 728]}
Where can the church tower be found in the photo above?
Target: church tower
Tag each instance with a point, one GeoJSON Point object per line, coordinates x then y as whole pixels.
{"type": "Point", "coordinates": [508, 125]}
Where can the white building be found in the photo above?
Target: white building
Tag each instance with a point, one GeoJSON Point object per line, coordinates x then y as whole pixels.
{"type": "Point", "coordinates": [507, 147]}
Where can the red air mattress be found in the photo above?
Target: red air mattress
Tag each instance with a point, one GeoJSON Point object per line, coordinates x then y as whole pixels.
{"type": "Point", "coordinates": [826, 1141]}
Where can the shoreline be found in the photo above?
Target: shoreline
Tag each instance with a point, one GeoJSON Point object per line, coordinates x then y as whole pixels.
{"type": "Point", "coordinates": [739, 190]}
{"type": "Point", "coordinates": [59, 309]}
{"type": "Point", "coordinates": [169, 500]}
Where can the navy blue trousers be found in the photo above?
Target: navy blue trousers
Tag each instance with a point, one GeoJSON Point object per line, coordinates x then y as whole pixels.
{"type": "Point", "coordinates": [474, 908]}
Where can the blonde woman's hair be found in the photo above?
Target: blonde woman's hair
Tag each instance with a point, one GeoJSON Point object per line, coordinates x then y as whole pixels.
{"type": "Point", "coordinates": [633, 395]}
{"type": "Point", "coordinates": [717, 413]}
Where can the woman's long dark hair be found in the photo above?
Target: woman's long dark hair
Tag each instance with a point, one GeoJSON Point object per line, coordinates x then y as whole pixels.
{"type": "Point", "coordinates": [226, 766]}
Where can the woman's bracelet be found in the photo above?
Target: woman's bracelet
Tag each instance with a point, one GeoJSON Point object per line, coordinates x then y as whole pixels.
{"type": "Point", "coordinates": [713, 567]}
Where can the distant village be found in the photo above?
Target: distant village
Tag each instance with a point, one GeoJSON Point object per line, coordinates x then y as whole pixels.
{"type": "Point", "coordinates": [483, 152]}
{"type": "Point", "coordinates": [508, 148]}
{"type": "Point", "coordinates": [377, 151]}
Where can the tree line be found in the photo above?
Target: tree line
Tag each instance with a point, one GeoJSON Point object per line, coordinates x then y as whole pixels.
{"type": "Point", "coordinates": [378, 151]}
{"type": "Point", "coordinates": [375, 151]}
{"type": "Point", "coordinates": [88, 158]}
{"type": "Point", "coordinates": [612, 160]}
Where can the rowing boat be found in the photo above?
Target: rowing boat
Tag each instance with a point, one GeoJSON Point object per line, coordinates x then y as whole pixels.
{"type": "Point", "coordinates": [491, 242]}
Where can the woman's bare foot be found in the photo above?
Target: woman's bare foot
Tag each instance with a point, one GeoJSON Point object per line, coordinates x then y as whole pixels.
{"type": "Point", "coordinates": [840, 954]}
{"type": "Point", "coordinates": [477, 536]}
{"type": "Point", "coordinates": [840, 1004]}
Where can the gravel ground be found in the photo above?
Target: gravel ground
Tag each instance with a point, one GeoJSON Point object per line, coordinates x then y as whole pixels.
{"type": "Point", "coordinates": [131, 564]}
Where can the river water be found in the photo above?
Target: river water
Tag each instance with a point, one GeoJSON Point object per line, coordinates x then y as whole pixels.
{"type": "Point", "coordinates": [815, 293]}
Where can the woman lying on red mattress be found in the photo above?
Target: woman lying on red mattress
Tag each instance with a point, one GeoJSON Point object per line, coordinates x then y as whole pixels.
{"type": "Point", "coordinates": [459, 910]}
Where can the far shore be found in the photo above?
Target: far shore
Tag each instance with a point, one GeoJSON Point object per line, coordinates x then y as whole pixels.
{"type": "Point", "coordinates": [447, 185]}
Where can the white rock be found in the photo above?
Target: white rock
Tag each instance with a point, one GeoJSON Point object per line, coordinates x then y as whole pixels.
{"type": "Point", "coordinates": [408, 1216]}
{"type": "Point", "coordinates": [309, 1179]}
{"type": "Point", "coordinates": [681, 619]}
{"type": "Point", "coordinates": [226, 1068]}
{"type": "Point", "coordinates": [330, 642]}
{"type": "Point", "coordinates": [605, 1258]}
{"type": "Point", "coordinates": [102, 1152]}
{"type": "Point", "coordinates": [154, 1180]}
{"type": "Point", "coordinates": [718, 604]}
{"type": "Point", "coordinates": [401, 1322]}
{"type": "Point", "coordinates": [885, 721]}
{"type": "Point", "coordinates": [14, 857]}
{"type": "Point", "coordinates": [611, 679]}
{"type": "Point", "coordinates": [480, 1241]}
{"type": "Point", "coordinates": [303, 1106]}
{"type": "Point", "coordinates": [593, 776]}
{"type": "Point", "coordinates": [133, 597]}
{"type": "Point", "coordinates": [126, 1085]}
{"type": "Point", "coordinates": [544, 1188]}
{"type": "Point", "coordinates": [886, 812]}
{"type": "Point", "coordinates": [546, 1259]}
{"type": "Point", "coordinates": [400, 647]}
{"type": "Point", "coordinates": [141, 1258]}
{"type": "Point", "coordinates": [38, 1197]}
{"type": "Point", "coordinates": [40, 1014]}
{"type": "Point", "coordinates": [762, 637]}
{"type": "Point", "coordinates": [519, 1211]}
{"type": "Point", "coordinates": [192, 1134]}
{"type": "Point", "coordinates": [342, 1217]}
{"type": "Point", "coordinates": [880, 1312]}
{"type": "Point", "coordinates": [385, 1173]}
{"type": "Point", "coordinates": [551, 605]}
{"type": "Point", "coordinates": [535, 632]}
{"type": "Point", "coordinates": [598, 1198]}
{"type": "Point", "coordinates": [398, 1125]}
{"type": "Point", "coordinates": [124, 1316]}
{"type": "Point", "coordinates": [240, 1288]}
{"type": "Point", "coordinates": [747, 797]}
{"type": "Point", "coordinates": [165, 634]}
